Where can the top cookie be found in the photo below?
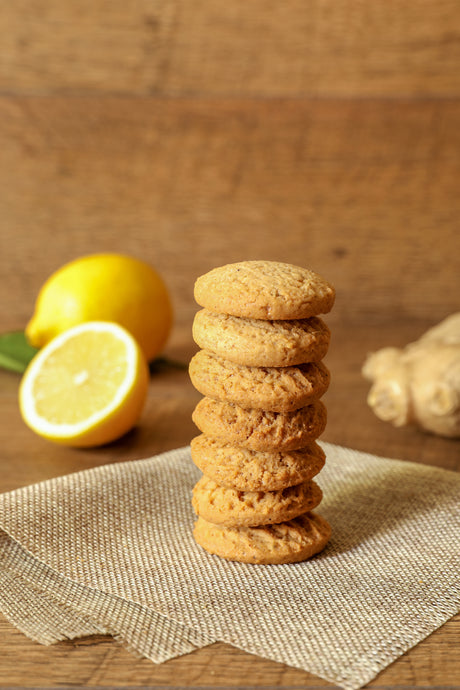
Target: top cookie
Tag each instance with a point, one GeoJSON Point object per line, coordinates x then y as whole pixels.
{"type": "Point", "coordinates": [264, 290]}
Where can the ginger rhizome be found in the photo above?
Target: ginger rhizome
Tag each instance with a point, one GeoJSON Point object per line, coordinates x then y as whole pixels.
{"type": "Point", "coordinates": [419, 384]}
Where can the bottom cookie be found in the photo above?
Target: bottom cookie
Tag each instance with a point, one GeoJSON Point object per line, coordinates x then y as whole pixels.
{"type": "Point", "coordinates": [286, 542]}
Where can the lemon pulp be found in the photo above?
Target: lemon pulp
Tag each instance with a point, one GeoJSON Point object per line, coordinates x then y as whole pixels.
{"type": "Point", "coordinates": [86, 387]}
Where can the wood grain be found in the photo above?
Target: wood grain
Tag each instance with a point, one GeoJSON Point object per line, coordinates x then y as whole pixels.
{"type": "Point", "coordinates": [165, 424]}
{"type": "Point", "coordinates": [100, 662]}
{"type": "Point", "coordinates": [366, 193]}
{"type": "Point", "coordinates": [258, 48]}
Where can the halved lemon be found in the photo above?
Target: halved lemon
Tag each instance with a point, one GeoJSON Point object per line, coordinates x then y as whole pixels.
{"type": "Point", "coordinates": [86, 387]}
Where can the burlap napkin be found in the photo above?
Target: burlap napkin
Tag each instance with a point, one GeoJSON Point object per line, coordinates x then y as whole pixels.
{"type": "Point", "coordinates": [110, 550]}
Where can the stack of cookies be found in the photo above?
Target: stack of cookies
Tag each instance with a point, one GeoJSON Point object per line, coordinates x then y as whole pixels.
{"type": "Point", "coordinates": [261, 372]}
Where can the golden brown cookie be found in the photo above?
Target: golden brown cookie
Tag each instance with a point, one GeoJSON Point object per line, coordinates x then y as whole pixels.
{"type": "Point", "coordinates": [288, 542]}
{"type": "Point", "coordinates": [264, 290]}
{"type": "Point", "coordinates": [232, 508]}
{"type": "Point", "coordinates": [252, 470]}
{"type": "Point", "coordinates": [258, 429]}
{"type": "Point", "coordinates": [277, 389]}
{"type": "Point", "coordinates": [257, 343]}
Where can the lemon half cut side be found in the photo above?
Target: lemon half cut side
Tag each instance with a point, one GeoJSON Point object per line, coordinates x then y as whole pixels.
{"type": "Point", "coordinates": [86, 387]}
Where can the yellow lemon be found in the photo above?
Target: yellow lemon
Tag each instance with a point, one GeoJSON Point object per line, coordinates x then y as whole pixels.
{"type": "Point", "coordinates": [104, 287]}
{"type": "Point", "coordinates": [86, 387]}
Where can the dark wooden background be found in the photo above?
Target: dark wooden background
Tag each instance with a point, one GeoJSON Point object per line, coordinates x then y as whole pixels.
{"type": "Point", "coordinates": [324, 133]}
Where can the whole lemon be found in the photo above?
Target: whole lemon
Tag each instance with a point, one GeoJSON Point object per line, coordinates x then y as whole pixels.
{"type": "Point", "coordinates": [104, 287]}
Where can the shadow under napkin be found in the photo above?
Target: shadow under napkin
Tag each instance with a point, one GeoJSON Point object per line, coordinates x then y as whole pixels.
{"type": "Point", "coordinates": [386, 581]}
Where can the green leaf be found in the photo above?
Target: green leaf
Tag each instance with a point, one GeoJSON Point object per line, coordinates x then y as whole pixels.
{"type": "Point", "coordinates": [15, 352]}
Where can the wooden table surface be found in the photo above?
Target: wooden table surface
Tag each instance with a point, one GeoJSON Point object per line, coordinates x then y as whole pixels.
{"type": "Point", "coordinates": [322, 133]}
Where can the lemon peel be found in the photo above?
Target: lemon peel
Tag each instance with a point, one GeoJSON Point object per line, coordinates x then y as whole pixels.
{"type": "Point", "coordinates": [104, 287]}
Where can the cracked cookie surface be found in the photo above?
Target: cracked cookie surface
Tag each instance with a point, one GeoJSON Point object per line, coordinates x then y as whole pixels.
{"type": "Point", "coordinates": [276, 389]}
{"type": "Point", "coordinates": [288, 542]}
{"type": "Point", "coordinates": [250, 470]}
{"type": "Point", "coordinates": [259, 429]}
{"type": "Point", "coordinates": [232, 508]}
{"type": "Point", "coordinates": [264, 290]}
{"type": "Point", "coordinates": [258, 343]}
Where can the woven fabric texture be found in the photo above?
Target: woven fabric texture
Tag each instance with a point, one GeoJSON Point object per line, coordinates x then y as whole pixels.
{"type": "Point", "coordinates": [111, 550]}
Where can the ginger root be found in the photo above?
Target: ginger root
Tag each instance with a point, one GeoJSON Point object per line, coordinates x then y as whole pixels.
{"type": "Point", "coordinates": [419, 384]}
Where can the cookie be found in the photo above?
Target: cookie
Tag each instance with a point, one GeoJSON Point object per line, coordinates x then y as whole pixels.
{"type": "Point", "coordinates": [251, 470]}
{"type": "Point", "coordinates": [232, 508]}
{"type": "Point", "coordinates": [259, 429]}
{"type": "Point", "coordinates": [288, 542]}
{"type": "Point", "coordinates": [277, 389]}
{"type": "Point", "coordinates": [257, 343]}
{"type": "Point", "coordinates": [264, 290]}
